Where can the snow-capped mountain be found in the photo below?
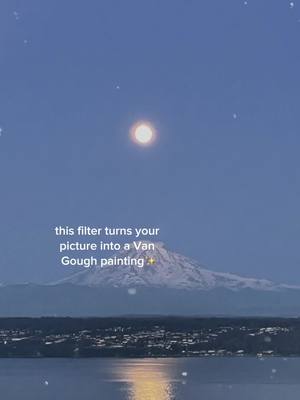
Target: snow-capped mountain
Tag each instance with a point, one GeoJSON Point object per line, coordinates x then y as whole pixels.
{"type": "Point", "coordinates": [170, 270]}
{"type": "Point", "coordinates": [173, 285]}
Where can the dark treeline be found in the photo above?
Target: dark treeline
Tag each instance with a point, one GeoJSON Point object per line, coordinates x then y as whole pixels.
{"type": "Point", "coordinates": [66, 324]}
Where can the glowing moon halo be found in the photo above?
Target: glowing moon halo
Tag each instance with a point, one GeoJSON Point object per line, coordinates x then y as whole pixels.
{"type": "Point", "coordinates": [143, 133]}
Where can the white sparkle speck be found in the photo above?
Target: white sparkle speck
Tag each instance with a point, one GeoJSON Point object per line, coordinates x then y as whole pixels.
{"type": "Point", "coordinates": [292, 4]}
{"type": "Point", "coordinates": [234, 116]}
{"type": "Point", "coordinates": [132, 291]}
{"type": "Point", "coordinates": [184, 373]}
{"type": "Point", "coordinates": [16, 15]}
{"type": "Point", "coordinates": [46, 383]}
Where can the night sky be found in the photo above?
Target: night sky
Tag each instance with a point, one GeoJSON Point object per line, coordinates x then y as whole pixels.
{"type": "Point", "coordinates": [220, 82]}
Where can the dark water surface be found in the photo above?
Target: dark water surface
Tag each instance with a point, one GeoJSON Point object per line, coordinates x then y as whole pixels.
{"type": "Point", "coordinates": [150, 379]}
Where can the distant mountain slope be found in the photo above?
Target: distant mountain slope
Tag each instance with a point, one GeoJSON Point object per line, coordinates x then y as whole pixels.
{"type": "Point", "coordinates": [171, 270]}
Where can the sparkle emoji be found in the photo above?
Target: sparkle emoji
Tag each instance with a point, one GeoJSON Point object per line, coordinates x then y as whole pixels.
{"type": "Point", "coordinates": [151, 261]}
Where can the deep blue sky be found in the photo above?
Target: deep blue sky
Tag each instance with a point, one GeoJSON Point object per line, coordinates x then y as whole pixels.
{"type": "Point", "coordinates": [223, 190]}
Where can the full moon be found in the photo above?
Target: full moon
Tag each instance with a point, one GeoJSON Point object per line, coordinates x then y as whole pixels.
{"type": "Point", "coordinates": [143, 133]}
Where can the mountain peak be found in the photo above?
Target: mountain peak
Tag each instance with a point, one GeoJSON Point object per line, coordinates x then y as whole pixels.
{"type": "Point", "coordinates": [167, 270]}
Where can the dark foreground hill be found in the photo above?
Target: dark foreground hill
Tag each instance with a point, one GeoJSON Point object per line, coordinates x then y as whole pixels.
{"type": "Point", "coordinates": [73, 300]}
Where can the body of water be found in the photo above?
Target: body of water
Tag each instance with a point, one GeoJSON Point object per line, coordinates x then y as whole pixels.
{"type": "Point", "coordinates": [150, 379]}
